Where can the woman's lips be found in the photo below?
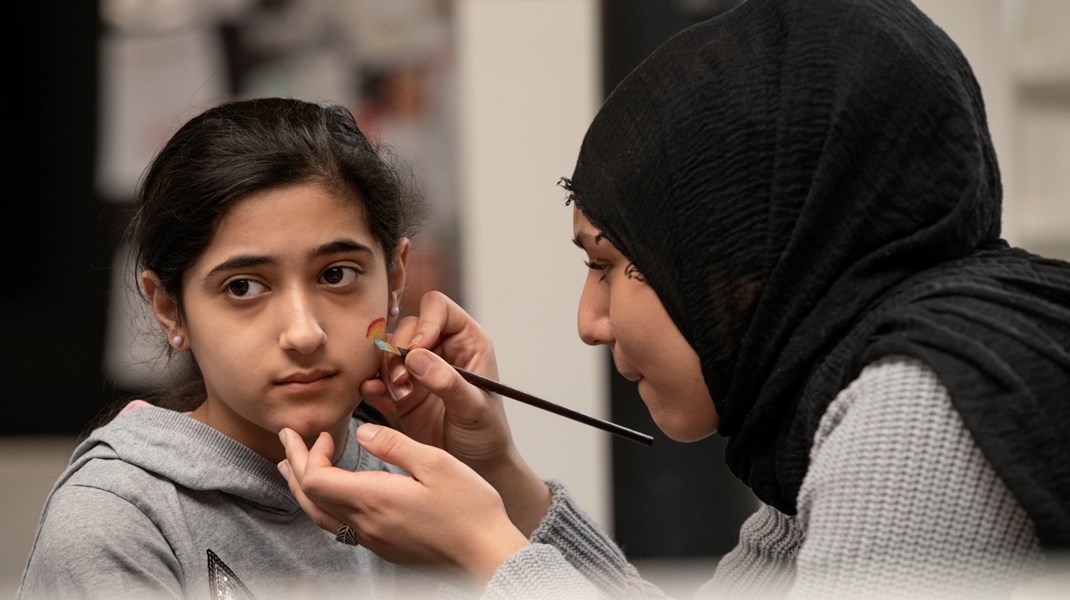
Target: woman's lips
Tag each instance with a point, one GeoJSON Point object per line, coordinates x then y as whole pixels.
{"type": "Point", "coordinates": [627, 373]}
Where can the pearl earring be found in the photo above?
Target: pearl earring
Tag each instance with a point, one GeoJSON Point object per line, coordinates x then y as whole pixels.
{"type": "Point", "coordinates": [177, 341]}
{"type": "Point", "coordinates": [394, 312]}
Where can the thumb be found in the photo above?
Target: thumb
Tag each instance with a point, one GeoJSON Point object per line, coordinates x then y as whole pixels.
{"type": "Point", "coordinates": [440, 378]}
{"type": "Point", "coordinates": [396, 448]}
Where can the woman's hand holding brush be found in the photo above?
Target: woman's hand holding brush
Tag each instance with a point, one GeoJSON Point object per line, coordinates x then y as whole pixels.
{"type": "Point", "coordinates": [436, 406]}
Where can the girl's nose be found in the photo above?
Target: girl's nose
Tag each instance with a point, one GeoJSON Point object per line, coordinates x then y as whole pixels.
{"type": "Point", "coordinates": [302, 332]}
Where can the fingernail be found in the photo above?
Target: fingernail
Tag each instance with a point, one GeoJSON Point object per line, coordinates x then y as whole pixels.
{"type": "Point", "coordinates": [400, 392]}
{"type": "Point", "coordinates": [418, 362]}
{"type": "Point", "coordinates": [415, 341]}
{"type": "Point", "coordinates": [397, 371]}
{"type": "Point", "coordinates": [284, 468]}
{"type": "Point", "coordinates": [282, 435]}
{"type": "Point", "coordinates": [366, 432]}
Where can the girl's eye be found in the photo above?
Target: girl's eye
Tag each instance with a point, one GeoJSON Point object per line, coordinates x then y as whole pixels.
{"type": "Point", "coordinates": [601, 267]}
{"type": "Point", "coordinates": [244, 288]}
{"type": "Point", "coordinates": [339, 276]}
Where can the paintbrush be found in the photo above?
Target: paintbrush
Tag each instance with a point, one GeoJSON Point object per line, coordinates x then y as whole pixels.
{"type": "Point", "coordinates": [497, 387]}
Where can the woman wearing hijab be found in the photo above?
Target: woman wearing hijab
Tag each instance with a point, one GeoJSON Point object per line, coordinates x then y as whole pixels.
{"type": "Point", "coordinates": [792, 217]}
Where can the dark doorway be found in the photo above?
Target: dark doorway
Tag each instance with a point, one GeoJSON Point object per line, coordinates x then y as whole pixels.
{"type": "Point", "coordinates": [56, 253]}
{"type": "Point", "coordinates": [670, 500]}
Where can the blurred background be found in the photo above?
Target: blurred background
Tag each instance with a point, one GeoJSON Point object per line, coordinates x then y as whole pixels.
{"type": "Point", "coordinates": [488, 99]}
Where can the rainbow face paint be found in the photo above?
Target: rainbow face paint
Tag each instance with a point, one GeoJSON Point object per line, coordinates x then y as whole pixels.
{"type": "Point", "coordinates": [377, 329]}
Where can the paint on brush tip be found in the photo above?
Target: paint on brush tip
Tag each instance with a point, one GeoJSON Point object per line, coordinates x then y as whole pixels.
{"type": "Point", "coordinates": [386, 346]}
{"type": "Point", "coordinates": [377, 329]}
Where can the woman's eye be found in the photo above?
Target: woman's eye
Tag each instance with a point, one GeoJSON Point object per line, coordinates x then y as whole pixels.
{"type": "Point", "coordinates": [601, 267]}
{"type": "Point", "coordinates": [338, 276]}
{"type": "Point", "coordinates": [245, 288]}
{"type": "Point", "coordinates": [632, 272]}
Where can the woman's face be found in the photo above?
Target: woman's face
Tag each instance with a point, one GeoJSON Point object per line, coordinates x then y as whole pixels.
{"type": "Point", "coordinates": [276, 311]}
{"type": "Point", "coordinates": [618, 309]}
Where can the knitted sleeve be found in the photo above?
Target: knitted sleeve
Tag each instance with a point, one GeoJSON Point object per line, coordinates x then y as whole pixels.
{"type": "Point", "coordinates": [762, 565]}
{"type": "Point", "coordinates": [899, 501]}
{"type": "Point", "coordinates": [570, 557]}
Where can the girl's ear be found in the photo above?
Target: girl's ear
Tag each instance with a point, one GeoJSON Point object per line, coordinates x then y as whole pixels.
{"type": "Point", "coordinates": [396, 276]}
{"type": "Point", "coordinates": [163, 304]}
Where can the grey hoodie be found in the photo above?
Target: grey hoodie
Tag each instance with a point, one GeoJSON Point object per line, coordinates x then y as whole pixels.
{"type": "Point", "coordinates": [148, 495]}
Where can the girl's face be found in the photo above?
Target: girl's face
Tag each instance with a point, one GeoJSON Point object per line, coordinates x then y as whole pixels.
{"type": "Point", "coordinates": [276, 311]}
{"type": "Point", "coordinates": [620, 310]}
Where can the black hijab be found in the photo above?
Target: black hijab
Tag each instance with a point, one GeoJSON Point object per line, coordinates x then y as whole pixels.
{"type": "Point", "coordinates": [809, 185]}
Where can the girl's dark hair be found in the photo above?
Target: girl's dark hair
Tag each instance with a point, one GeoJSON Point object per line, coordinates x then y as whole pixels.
{"type": "Point", "coordinates": [242, 147]}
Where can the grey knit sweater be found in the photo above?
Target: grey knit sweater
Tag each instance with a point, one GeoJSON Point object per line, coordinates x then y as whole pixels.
{"type": "Point", "coordinates": [898, 502]}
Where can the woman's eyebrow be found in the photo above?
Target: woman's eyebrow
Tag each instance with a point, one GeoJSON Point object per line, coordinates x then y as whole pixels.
{"type": "Point", "coordinates": [584, 237]}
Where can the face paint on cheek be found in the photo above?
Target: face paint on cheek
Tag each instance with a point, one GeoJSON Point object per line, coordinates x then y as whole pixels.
{"type": "Point", "coordinates": [377, 329]}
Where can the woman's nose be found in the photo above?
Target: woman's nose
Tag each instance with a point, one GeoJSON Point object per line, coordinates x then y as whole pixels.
{"type": "Point", "coordinates": [302, 331]}
{"type": "Point", "coordinates": [593, 316]}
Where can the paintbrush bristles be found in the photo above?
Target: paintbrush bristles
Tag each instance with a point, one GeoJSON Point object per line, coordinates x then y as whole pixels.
{"type": "Point", "coordinates": [386, 346]}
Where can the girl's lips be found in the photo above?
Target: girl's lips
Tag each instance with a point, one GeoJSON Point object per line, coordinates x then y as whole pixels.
{"type": "Point", "coordinates": [305, 381]}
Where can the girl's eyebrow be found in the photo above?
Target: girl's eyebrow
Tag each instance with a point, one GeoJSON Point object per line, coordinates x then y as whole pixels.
{"type": "Point", "coordinates": [244, 261]}
{"type": "Point", "coordinates": [339, 247]}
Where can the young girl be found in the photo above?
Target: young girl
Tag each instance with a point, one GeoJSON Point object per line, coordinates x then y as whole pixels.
{"type": "Point", "coordinates": [791, 216]}
{"type": "Point", "coordinates": [271, 243]}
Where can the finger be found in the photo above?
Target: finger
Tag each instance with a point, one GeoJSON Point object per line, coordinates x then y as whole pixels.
{"type": "Point", "coordinates": [396, 448]}
{"type": "Point", "coordinates": [393, 369]}
{"type": "Point", "coordinates": [397, 380]}
{"type": "Point", "coordinates": [321, 517]}
{"type": "Point", "coordinates": [300, 457]}
{"type": "Point", "coordinates": [404, 331]}
{"type": "Point", "coordinates": [297, 454]}
{"type": "Point", "coordinates": [425, 325]}
{"type": "Point", "coordinates": [321, 453]}
{"type": "Point", "coordinates": [433, 373]}
{"type": "Point", "coordinates": [296, 451]}
{"type": "Point", "coordinates": [385, 406]}
{"type": "Point", "coordinates": [440, 317]}
{"type": "Point", "coordinates": [374, 388]}
{"type": "Point", "coordinates": [448, 330]}
{"type": "Point", "coordinates": [381, 391]}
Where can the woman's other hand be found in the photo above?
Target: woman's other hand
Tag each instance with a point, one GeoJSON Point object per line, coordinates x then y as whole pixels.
{"type": "Point", "coordinates": [443, 516]}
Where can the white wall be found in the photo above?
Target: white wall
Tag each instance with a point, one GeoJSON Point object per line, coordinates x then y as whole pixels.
{"type": "Point", "coordinates": [529, 75]}
{"type": "Point", "coordinates": [1020, 54]}
{"type": "Point", "coordinates": [984, 31]}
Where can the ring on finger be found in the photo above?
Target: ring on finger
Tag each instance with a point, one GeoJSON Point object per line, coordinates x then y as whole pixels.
{"type": "Point", "coordinates": [346, 535]}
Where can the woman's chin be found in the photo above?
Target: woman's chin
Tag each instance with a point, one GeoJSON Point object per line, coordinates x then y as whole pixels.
{"type": "Point", "coordinates": [684, 430]}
